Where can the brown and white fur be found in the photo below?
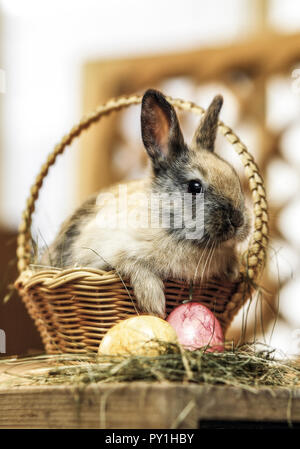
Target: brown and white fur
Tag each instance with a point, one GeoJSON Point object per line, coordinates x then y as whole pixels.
{"type": "Point", "coordinates": [147, 254]}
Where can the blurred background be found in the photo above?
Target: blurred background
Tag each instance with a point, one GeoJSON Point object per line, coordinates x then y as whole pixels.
{"type": "Point", "coordinates": [60, 59]}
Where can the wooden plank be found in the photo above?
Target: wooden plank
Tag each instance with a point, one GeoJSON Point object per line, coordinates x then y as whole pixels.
{"type": "Point", "coordinates": [142, 405]}
{"type": "Point", "coordinates": [132, 405]}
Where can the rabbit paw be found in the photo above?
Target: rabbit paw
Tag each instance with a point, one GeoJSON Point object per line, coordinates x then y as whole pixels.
{"type": "Point", "coordinates": [150, 296]}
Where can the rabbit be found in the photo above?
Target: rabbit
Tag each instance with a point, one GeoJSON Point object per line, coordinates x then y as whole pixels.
{"type": "Point", "coordinates": [146, 254]}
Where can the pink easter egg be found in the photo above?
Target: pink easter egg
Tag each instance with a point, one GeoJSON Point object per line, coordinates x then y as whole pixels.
{"type": "Point", "coordinates": [197, 327]}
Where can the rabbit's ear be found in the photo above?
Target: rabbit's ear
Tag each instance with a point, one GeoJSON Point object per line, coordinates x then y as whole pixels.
{"type": "Point", "coordinates": [205, 135]}
{"type": "Point", "coordinates": [161, 132]}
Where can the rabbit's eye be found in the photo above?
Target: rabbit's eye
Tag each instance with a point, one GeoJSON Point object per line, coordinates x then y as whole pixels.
{"type": "Point", "coordinates": [195, 186]}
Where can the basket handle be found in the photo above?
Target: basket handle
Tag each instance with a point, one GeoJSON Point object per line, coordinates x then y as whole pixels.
{"type": "Point", "coordinates": [256, 253]}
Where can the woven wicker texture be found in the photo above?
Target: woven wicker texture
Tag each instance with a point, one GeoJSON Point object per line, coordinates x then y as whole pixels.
{"type": "Point", "coordinates": [74, 308]}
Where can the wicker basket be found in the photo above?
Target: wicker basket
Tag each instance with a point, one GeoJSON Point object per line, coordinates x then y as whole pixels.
{"type": "Point", "coordinates": [74, 308]}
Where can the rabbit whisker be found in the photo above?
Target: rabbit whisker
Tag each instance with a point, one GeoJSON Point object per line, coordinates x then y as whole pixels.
{"type": "Point", "coordinates": [207, 260]}
{"type": "Point", "coordinates": [211, 258]}
{"type": "Point", "coordinates": [200, 259]}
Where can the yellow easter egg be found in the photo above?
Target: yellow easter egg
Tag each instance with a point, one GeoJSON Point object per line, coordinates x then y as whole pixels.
{"type": "Point", "coordinates": [139, 335]}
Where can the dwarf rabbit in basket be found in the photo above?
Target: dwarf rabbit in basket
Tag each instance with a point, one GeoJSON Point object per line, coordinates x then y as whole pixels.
{"type": "Point", "coordinates": [194, 245]}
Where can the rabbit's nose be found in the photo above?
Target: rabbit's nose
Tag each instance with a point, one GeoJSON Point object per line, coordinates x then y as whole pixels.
{"type": "Point", "coordinates": [236, 218]}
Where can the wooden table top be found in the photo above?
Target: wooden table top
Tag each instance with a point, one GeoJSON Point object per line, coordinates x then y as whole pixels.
{"type": "Point", "coordinates": [135, 405]}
